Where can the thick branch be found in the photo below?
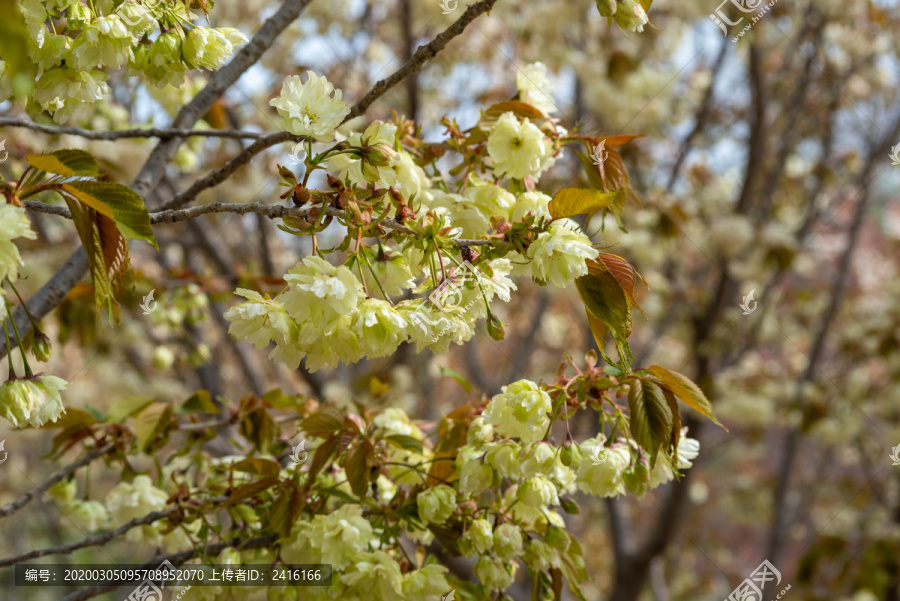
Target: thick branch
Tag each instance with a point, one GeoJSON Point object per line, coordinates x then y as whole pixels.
{"type": "Point", "coordinates": [52, 293]}
{"type": "Point", "coordinates": [58, 477]}
{"type": "Point", "coordinates": [94, 541]}
{"type": "Point", "coordinates": [162, 134]}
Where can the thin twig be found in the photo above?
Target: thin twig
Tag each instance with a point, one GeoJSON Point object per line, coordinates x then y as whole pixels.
{"type": "Point", "coordinates": [270, 211]}
{"type": "Point", "coordinates": [59, 476]}
{"type": "Point", "coordinates": [152, 132]}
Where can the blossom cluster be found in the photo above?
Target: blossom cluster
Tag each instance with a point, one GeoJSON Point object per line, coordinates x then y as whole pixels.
{"type": "Point", "coordinates": [330, 313]}
{"type": "Point", "coordinates": [114, 35]}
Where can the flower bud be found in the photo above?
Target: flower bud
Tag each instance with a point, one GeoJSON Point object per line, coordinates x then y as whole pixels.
{"type": "Point", "coordinates": [607, 8]}
{"type": "Point", "coordinates": [630, 15]}
{"type": "Point", "coordinates": [475, 477]}
{"type": "Point", "coordinates": [163, 358]}
{"type": "Point", "coordinates": [570, 454]}
{"type": "Point", "coordinates": [380, 155]}
{"type": "Point", "coordinates": [495, 327]}
{"type": "Point", "coordinates": [41, 348]}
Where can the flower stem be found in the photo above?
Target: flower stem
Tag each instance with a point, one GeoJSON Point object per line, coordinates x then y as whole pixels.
{"type": "Point", "coordinates": [24, 305]}
{"type": "Point", "coordinates": [28, 373]}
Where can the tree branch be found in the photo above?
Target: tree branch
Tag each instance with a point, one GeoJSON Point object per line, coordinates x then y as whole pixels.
{"type": "Point", "coordinates": [162, 134]}
{"type": "Point", "coordinates": [53, 292]}
{"type": "Point", "coordinates": [270, 211]}
{"type": "Point", "coordinates": [59, 476]}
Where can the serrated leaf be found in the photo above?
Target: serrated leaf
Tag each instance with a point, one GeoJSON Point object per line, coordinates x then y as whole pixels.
{"type": "Point", "coordinates": [451, 373]}
{"type": "Point", "coordinates": [259, 428]}
{"type": "Point", "coordinates": [624, 273]}
{"type": "Point", "coordinates": [257, 466]}
{"type": "Point", "coordinates": [251, 490]}
{"type": "Point", "coordinates": [405, 442]}
{"type": "Point", "coordinates": [199, 402]}
{"type": "Point", "coordinates": [357, 464]}
{"type": "Point", "coordinates": [150, 422]}
{"type": "Point", "coordinates": [125, 408]}
{"type": "Point", "coordinates": [285, 510]}
{"type": "Point", "coordinates": [606, 301]}
{"type": "Point", "coordinates": [569, 202]}
{"type": "Point", "coordinates": [324, 423]}
{"type": "Point", "coordinates": [69, 162]}
{"type": "Point", "coordinates": [688, 392]}
{"type": "Point", "coordinates": [106, 250]}
{"type": "Point", "coordinates": [119, 203]}
{"type": "Point", "coordinates": [443, 465]}
{"type": "Point", "coordinates": [650, 418]}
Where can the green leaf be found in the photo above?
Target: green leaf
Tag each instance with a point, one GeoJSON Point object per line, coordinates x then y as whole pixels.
{"type": "Point", "coordinates": [151, 422]}
{"type": "Point", "coordinates": [624, 273]}
{"type": "Point", "coordinates": [688, 392]}
{"type": "Point", "coordinates": [69, 162]}
{"type": "Point", "coordinates": [199, 402]}
{"type": "Point", "coordinates": [285, 510]}
{"type": "Point", "coordinates": [569, 202]}
{"type": "Point", "coordinates": [257, 466]}
{"type": "Point", "coordinates": [125, 408]}
{"type": "Point", "coordinates": [573, 567]}
{"type": "Point", "coordinates": [106, 250]}
{"type": "Point", "coordinates": [452, 373]}
{"type": "Point", "coordinates": [405, 442]}
{"type": "Point", "coordinates": [119, 203]}
{"type": "Point", "coordinates": [277, 398]}
{"type": "Point", "coordinates": [650, 418]}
